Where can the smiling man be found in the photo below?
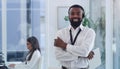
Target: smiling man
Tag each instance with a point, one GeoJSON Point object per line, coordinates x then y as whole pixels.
{"type": "Point", "coordinates": [74, 44]}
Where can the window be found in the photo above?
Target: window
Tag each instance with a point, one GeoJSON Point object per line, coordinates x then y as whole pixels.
{"type": "Point", "coordinates": [0, 33]}
{"type": "Point", "coordinates": [13, 4]}
{"type": "Point", "coordinates": [35, 18]}
{"type": "Point", "coordinates": [24, 18]}
{"type": "Point", "coordinates": [15, 34]}
{"type": "Point", "coordinates": [116, 33]}
{"type": "Point", "coordinates": [0, 29]}
{"type": "Point", "coordinates": [16, 31]}
{"type": "Point", "coordinates": [97, 19]}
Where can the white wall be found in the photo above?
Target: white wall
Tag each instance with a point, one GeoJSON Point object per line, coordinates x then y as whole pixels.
{"type": "Point", "coordinates": [51, 22]}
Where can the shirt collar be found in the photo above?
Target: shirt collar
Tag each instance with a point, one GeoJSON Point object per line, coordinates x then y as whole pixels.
{"type": "Point", "coordinates": [81, 27]}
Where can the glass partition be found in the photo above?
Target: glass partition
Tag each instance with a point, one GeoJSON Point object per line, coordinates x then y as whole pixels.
{"type": "Point", "coordinates": [116, 33]}
{"type": "Point", "coordinates": [97, 22]}
{"type": "Point", "coordinates": [16, 30]}
{"type": "Point", "coordinates": [0, 28]}
{"type": "Point", "coordinates": [25, 22]}
{"type": "Point", "coordinates": [16, 36]}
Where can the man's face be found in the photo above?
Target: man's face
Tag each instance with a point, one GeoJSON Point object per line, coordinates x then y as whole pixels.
{"type": "Point", "coordinates": [75, 17]}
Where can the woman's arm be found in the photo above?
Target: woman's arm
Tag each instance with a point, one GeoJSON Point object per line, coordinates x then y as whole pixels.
{"type": "Point", "coordinates": [34, 63]}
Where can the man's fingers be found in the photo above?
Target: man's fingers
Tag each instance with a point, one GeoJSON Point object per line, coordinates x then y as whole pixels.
{"type": "Point", "coordinates": [55, 42]}
{"type": "Point", "coordinates": [92, 52]}
{"type": "Point", "coordinates": [58, 38]}
{"type": "Point", "coordinates": [90, 57]}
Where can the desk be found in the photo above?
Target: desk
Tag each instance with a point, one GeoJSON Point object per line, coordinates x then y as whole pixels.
{"type": "Point", "coordinates": [3, 67]}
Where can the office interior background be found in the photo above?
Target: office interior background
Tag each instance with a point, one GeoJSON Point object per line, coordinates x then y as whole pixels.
{"type": "Point", "coordinates": [20, 19]}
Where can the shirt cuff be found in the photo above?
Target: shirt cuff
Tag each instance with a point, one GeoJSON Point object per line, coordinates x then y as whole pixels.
{"type": "Point", "coordinates": [69, 47]}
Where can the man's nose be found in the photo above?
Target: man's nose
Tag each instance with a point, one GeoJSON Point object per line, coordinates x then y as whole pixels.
{"type": "Point", "coordinates": [75, 16]}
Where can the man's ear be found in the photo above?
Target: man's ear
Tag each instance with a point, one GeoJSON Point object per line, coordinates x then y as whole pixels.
{"type": "Point", "coordinates": [83, 15]}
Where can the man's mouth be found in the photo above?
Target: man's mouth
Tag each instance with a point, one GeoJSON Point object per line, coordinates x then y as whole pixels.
{"type": "Point", "coordinates": [75, 20]}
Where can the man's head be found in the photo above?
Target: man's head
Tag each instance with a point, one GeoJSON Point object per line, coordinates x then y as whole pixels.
{"type": "Point", "coordinates": [76, 14]}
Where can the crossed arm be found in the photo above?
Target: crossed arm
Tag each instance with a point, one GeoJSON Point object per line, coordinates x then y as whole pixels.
{"type": "Point", "coordinates": [61, 44]}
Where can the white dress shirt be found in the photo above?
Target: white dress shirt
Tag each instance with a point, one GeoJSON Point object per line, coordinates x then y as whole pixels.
{"type": "Point", "coordinates": [83, 45]}
{"type": "Point", "coordinates": [34, 63]}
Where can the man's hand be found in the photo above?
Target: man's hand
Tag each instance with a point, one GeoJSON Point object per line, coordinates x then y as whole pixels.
{"type": "Point", "coordinates": [60, 43]}
{"type": "Point", "coordinates": [91, 55]}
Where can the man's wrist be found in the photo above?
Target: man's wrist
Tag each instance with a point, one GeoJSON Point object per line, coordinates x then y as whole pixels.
{"type": "Point", "coordinates": [65, 45]}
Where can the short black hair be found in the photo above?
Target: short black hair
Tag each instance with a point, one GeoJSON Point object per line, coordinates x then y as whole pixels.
{"type": "Point", "coordinates": [77, 6]}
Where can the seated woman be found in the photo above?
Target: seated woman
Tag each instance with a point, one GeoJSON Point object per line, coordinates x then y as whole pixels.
{"type": "Point", "coordinates": [33, 58]}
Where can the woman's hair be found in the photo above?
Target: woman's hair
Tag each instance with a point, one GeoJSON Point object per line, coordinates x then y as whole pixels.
{"type": "Point", "coordinates": [35, 45]}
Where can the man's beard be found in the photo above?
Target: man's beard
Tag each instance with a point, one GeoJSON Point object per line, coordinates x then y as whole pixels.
{"type": "Point", "coordinates": [75, 22]}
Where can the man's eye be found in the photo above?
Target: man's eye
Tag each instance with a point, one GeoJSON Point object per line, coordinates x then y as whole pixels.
{"type": "Point", "coordinates": [78, 13]}
{"type": "Point", "coordinates": [72, 13]}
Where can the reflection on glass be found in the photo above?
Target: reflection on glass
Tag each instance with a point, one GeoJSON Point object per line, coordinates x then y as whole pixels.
{"type": "Point", "coordinates": [16, 36]}
{"type": "Point", "coordinates": [62, 17]}
{"type": "Point", "coordinates": [97, 19]}
{"type": "Point", "coordinates": [0, 30]}
{"type": "Point", "coordinates": [13, 4]}
{"type": "Point", "coordinates": [35, 4]}
{"type": "Point", "coordinates": [1, 57]}
{"type": "Point", "coordinates": [0, 4]}
{"type": "Point", "coordinates": [116, 32]}
{"type": "Point", "coordinates": [18, 30]}
{"type": "Point", "coordinates": [13, 1]}
{"type": "Point", "coordinates": [35, 21]}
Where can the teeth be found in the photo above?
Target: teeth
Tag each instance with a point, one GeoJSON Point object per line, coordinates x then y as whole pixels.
{"type": "Point", "coordinates": [75, 20]}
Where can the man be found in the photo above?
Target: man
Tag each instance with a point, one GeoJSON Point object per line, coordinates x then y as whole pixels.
{"type": "Point", "coordinates": [74, 44]}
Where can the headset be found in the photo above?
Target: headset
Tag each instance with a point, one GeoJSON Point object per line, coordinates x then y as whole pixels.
{"type": "Point", "coordinates": [77, 6]}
